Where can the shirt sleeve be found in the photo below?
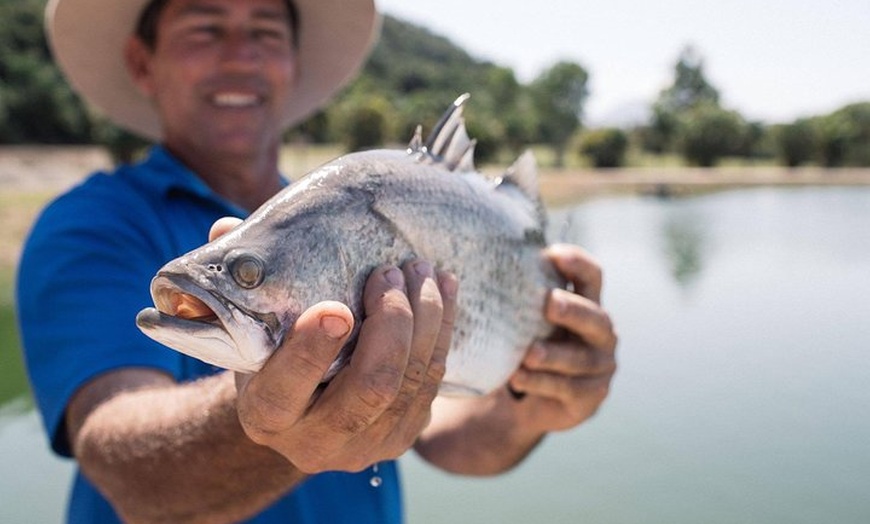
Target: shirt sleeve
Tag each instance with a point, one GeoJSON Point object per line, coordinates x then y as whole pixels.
{"type": "Point", "coordinates": [83, 276]}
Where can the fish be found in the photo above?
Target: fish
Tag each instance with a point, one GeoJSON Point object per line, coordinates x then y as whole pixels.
{"type": "Point", "coordinates": [232, 301]}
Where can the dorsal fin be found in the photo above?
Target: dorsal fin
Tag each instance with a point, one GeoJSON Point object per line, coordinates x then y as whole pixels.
{"type": "Point", "coordinates": [523, 175]}
{"type": "Point", "coordinates": [416, 145]}
{"type": "Point", "coordinates": [448, 143]}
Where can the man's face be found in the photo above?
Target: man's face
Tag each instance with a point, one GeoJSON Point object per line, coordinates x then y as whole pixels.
{"type": "Point", "coordinates": [221, 73]}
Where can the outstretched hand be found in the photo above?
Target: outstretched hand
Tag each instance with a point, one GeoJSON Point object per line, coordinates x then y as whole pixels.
{"type": "Point", "coordinates": [374, 408]}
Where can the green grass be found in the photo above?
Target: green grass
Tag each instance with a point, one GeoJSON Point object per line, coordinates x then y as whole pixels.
{"type": "Point", "coordinates": [13, 379]}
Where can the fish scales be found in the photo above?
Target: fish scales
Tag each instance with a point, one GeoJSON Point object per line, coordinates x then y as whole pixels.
{"type": "Point", "coordinates": [231, 301]}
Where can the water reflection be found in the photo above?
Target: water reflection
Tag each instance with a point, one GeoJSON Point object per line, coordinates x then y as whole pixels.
{"type": "Point", "coordinates": [680, 228]}
{"type": "Point", "coordinates": [684, 236]}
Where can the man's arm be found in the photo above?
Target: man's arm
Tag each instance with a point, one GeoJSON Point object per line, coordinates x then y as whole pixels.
{"type": "Point", "coordinates": [562, 381]}
{"type": "Point", "coordinates": [219, 449]}
{"type": "Point", "coordinates": [160, 451]}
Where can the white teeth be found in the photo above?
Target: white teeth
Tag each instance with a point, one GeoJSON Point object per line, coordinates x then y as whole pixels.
{"type": "Point", "coordinates": [235, 100]}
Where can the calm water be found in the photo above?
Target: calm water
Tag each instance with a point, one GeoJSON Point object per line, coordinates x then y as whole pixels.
{"type": "Point", "coordinates": [742, 395]}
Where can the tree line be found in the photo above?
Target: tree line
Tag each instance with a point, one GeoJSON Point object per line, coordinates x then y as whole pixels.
{"type": "Point", "coordinates": [414, 74]}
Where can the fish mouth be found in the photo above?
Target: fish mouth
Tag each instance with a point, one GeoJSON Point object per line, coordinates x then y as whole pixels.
{"type": "Point", "coordinates": [204, 324]}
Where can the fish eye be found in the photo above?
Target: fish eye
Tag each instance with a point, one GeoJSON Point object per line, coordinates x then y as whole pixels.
{"type": "Point", "coordinates": [247, 271]}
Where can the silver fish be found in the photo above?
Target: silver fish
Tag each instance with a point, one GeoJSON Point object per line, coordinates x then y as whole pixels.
{"type": "Point", "coordinates": [231, 302]}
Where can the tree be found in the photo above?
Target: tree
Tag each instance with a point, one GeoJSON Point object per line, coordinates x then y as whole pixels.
{"type": "Point", "coordinates": [845, 136]}
{"type": "Point", "coordinates": [37, 104]}
{"type": "Point", "coordinates": [689, 89]}
{"type": "Point", "coordinates": [605, 147]}
{"type": "Point", "coordinates": [707, 133]}
{"type": "Point", "coordinates": [558, 96]}
{"type": "Point", "coordinates": [797, 143]}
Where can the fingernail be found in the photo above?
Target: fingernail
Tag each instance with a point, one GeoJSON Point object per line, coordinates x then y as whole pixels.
{"type": "Point", "coordinates": [394, 276]}
{"type": "Point", "coordinates": [334, 327]}
{"type": "Point", "coordinates": [423, 268]}
{"type": "Point", "coordinates": [557, 300]}
{"type": "Point", "coordinates": [448, 285]}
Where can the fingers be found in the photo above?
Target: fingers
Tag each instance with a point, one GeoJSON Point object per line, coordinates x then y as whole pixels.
{"type": "Point", "coordinates": [403, 341]}
{"type": "Point", "coordinates": [360, 393]}
{"type": "Point", "coordinates": [222, 226]}
{"type": "Point", "coordinates": [279, 394]}
{"type": "Point", "coordinates": [375, 407]}
{"type": "Point", "coordinates": [566, 358]}
{"type": "Point", "coordinates": [579, 267]}
{"type": "Point", "coordinates": [425, 299]}
{"type": "Point", "coordinates": [568, 376]}
{"type": "Point", "coordinates": [434, 314]}
{"type": "Point", "coordinates": [579, 396]}
{"type": "Point", "coordinates": [582, 317]}
{"type": "Point", "coordinates": [449, 287]}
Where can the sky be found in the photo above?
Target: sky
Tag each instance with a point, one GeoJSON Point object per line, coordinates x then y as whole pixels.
{"type": "Point", "coordinates": [772, 60]}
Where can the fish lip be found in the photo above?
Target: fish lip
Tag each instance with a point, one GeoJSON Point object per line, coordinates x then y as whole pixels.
{"type": "Point", "coordinates": [223, 308]}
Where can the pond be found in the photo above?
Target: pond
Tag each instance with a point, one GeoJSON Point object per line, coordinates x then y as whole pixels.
{"type": "Point", "coordinates": [742, 391]}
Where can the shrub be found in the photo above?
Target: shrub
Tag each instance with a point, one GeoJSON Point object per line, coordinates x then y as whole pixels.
{"type": "Point", "coordinates": [798, 142]}
{"type": "Point", "coordinates": [604, 147]}
{"type": "Point", "coordinates": [363, 122]}
{"type": "Point", "coordinates": [708, 132]}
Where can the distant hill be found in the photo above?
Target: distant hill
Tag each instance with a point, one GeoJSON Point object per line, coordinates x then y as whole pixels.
{"type": "Point", "coordinates": [410, 58]}
{"type": "Point", "coordinates": [421, 73]}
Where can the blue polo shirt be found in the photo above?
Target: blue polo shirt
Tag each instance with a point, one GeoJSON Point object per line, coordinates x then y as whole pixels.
{"type": "Point", "coordinates": [83, 276]}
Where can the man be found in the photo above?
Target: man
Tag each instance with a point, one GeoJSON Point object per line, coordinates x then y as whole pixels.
{"type": "Point", "coordinates": [162, 437]}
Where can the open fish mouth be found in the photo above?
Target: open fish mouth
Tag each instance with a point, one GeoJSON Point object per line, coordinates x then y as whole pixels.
{"type": "Point", "coordinates": [181, 302]}
{"type": "Point", "coordinates": [206, 323]}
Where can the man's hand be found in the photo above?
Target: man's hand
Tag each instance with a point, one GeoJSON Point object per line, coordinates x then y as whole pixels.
{"type": "Point", "coordinates": [375, 408]}
{"type": "Point", "coordinates": [567, 377]}
{"type": "Point", "coordinates": [561, 383]}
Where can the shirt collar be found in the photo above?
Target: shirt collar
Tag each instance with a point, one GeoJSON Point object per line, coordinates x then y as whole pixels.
{"type": "Point", "coordinates": [167, 174]}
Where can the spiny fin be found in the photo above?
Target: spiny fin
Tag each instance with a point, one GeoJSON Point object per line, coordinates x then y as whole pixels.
{"type": "Point", "coordinates": [448, 143]}
{"type": "Point", "coordinates": [524, 175]}
{"type": "Point", "coordinates": [416, 145]}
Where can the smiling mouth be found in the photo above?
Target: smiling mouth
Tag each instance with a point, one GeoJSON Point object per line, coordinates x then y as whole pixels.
{"type": "Point", "coordinates": [236, 100]}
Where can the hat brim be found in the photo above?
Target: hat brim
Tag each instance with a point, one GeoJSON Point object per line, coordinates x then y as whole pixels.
{"type": "Point", "coordinates": [87, 38]}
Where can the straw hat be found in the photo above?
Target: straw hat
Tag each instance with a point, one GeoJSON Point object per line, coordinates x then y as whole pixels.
{"type": "Point", "coordinates": [87, 38]}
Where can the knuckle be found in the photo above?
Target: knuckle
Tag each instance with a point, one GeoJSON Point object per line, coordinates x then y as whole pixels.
{"type": "Point", "coordinates": [436, 370]}
{"type": "Point", "coordinates": [596, 274]}
{"type": "Point", "coordinates": [349, 423]}
{"type": "Point", "coordinates": [598, 391]}
{"type": "Point", "coordinates": [415, 374]}
{"type": "Point", "coordinates": [381, 388]}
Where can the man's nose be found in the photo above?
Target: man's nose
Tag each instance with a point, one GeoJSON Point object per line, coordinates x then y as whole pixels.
{"type": "Point", "coordinates": [241, 50]}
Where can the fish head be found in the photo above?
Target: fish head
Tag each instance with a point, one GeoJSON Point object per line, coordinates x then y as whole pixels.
{"type": "Point", "coordinates": [231, 302]}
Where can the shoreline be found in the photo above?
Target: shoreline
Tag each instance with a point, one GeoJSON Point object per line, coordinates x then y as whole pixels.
{"type": "Point", "coordinates": [560, 187]}
{"type": "Point", "coordinates": [30, 176]}
{"type": "Point", "coordinates": [46, 169]}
